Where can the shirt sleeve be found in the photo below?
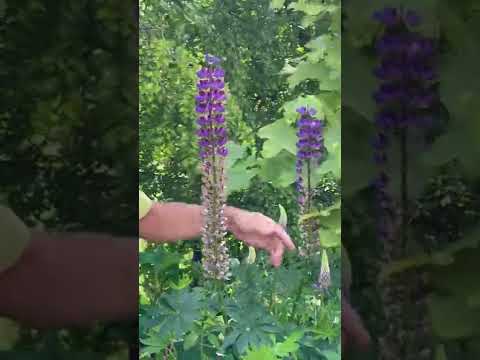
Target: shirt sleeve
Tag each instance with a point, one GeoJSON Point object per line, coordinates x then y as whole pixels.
{"type": "Point", "coordinates": [144, 204]}
{"type": "Point", "coordinates": [14, 238]}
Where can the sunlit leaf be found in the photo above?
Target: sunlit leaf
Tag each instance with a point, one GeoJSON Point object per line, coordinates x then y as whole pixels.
{"type": "Point", "coordinates": [280, 136]}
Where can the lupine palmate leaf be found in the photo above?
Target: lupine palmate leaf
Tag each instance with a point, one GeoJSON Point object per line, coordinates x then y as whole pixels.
{"type": "Point", "coordinates": [261, 353]}
{"type": "Point", "coordinates": [252, 327]}
{"type": "Point", "coordinates": [289, 346]}
{"type": "Point", "coordinates": [177, 311]}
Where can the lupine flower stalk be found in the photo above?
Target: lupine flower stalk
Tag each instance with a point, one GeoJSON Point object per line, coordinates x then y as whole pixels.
{"type": "Point", "coordinates": [405, 99]}
{"type": "Point", "coordinates": [310, 150]}
{"type": "Point", "coordinates": [324, 279]}
{"type": "Point", "coordinates": [212, 135]}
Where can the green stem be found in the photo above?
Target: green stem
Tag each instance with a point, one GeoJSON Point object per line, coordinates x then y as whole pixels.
{"type": "Point", "coordinates": [272, 297]}
{"type": "Point", "coordinates": [404, 188]}
{"type": "Point", "coordinates": [309, 186]}
{"type": "Point", "coordinates": [300, 291]}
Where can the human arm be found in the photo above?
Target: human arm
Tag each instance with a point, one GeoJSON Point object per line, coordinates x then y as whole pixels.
{"type": "Point", "coordinates": [51, 280]}
{"type": "Point", "coordinates": [68, 279]}
{"type": "Point", "coordinates": [170, 222]}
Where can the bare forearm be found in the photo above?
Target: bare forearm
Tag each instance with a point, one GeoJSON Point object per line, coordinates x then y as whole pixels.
{"type": "Point", "coordinates": [175, 221]}
{"type": "Point", "coordinates": [72, 280]}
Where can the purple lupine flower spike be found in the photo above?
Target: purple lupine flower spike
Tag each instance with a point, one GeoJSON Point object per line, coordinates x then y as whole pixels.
{"type": "Point", "coordinates": [405, 99]}
{"type": "Point", "coordinates": [212, 140]}
{"type": "Point", "coordinates": [310, 150]}
{"type": "Point", "coordinates": [406, 92]}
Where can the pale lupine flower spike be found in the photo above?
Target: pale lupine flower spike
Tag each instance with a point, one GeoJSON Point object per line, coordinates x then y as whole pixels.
{"type": "Point", "coordinates": [212, 135]}
{"type": "Point", "coordinates": [324, 279]}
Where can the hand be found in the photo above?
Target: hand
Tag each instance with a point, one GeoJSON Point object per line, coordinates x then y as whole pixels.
{"type": "Point", "coordinates": [259, 231]}
{"type": "Point", "coordinates": [353, 331]}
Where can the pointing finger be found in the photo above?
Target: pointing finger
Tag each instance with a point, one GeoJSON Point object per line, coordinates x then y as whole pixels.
{"type": "Point", "coordinates": [276, 255]}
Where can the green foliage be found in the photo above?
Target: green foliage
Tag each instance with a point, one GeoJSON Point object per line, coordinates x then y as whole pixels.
{"type": "Point", "coordinates": [278, 351]}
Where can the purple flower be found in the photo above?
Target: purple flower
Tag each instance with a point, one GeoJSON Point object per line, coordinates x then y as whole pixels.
{"type": "Point", "coordinates": [203, 85]}
{"type": "Point", "coordinates": [203, 121]}
{"type": "Point", "coordinates": [405, 67]}
{"type": "Point", "coordinates": [412, 18]}
{"type": "Point", "coordinates": [405, 71]}
{"type": "Point", "coordinates": [212, 60]}
{"type": "Point", "coordinates": [201, 108]}
{"type": "Point", "coordinates": [309, 147]}
{"type": "Point", "coordinates": [219, 119]}
{"type": "Point", "coordinates": [222, 151]}
{"type": "Point", "coordinates": [306, 111]}
{"type": "Point", "coordinates": [203, 73]}
{"type": "Point", "coordinates": [405, 98]}
{"type": "Point", "coordinates": [212, 138]}
{"type": "Point", "coordinates": [218, 72]}
{"type": "Point", "coordinates": [387, 16]}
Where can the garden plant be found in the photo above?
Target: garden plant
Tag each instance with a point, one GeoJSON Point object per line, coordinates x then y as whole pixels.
{"type": "Point", "coordinates": [410, 211]}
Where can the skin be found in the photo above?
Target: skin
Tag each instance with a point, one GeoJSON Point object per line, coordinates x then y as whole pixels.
{"type": "Point", "coordinates": [70, 279]}
{"type": "Point", "coordinates": [252, 228]}
{"type": "Point", "coordinates": [354, 334]}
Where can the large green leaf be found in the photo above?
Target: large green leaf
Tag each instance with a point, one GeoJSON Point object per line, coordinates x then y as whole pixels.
{"type": "Point", "coordinates": [330, 237]}
{"type": "Point", "coordinates": [280, 136]}
{"type": "Point", "coordinates": [235, 152]}
{"type": "Point", "coordinates": [312, 7]}
{"type": "Point", "coordinates": [312, 71]}
{"type": "Point", "coordinates": [279, 170]}
{"type": "Point", "coordinates": [452, 318]}
{"type": "Point", "coordinates": [290, 107]}
{"type": "Point", "coordinates": [333, 162]}
{"type": "Point", "coordinates": [438, 258]}
{"type": "Point", "coordinates": [277, 4]}
{"type": "Point", "coordinates": [358, 91]}
{"type": "Point", "coordinates": [238, 178]}
{"type": "Point", "coordinates": [358, 168]}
